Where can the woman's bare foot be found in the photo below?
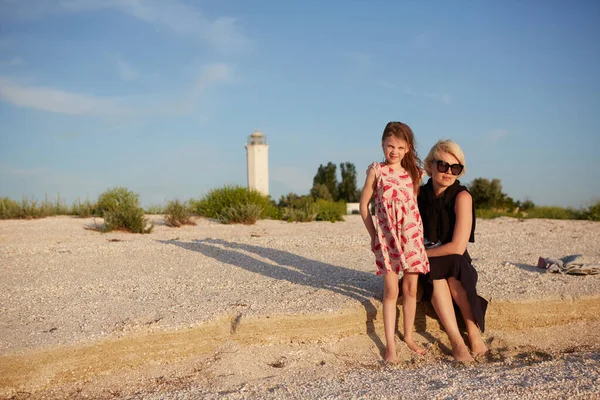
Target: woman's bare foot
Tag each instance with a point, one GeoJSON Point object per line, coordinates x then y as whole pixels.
{"type": "Point", "coordinates": [460, 352]}
{"type": "Point", "coordinates": [478, 347]}
{"type": "Point", "coordinates": [414, 346]}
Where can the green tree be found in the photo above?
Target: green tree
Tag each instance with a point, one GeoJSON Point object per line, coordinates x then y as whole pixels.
{"type": "Point", "coordinates": [347, 190]}
{"type": "Point", "coordinates": [326, 175]}
{"type": "Point", "coordinates": [320, 191]}
{"type": "Point", "coordinates": [488, 194]}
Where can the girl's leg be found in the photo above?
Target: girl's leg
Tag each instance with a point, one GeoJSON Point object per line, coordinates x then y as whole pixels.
{"type": "Point", "coordinates": [390, 298]}
{"type": "Point", "coordinates": [409, 310]}
{"type": "Point", "coordinates": [442, 303]}
{"type": "Point", "coordinates": [459, 295]}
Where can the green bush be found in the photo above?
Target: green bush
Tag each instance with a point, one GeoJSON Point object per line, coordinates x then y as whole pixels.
{"type": "Point", "coordinates": [121, 209]}
{"type": "Point", "coordinates": [83, 210]}
{"type": "Point", "coordinates": [593, 212]}
{"type": "Point", "coordinates": [9, 208]}
{"type": "Point", "coordinates": [57, 208]}
{"type": "Point", "coordinates": [331, 211]}
{"type": "Point", "coordinates": [296, 208]}
{"type": "Point", "coordinates": [29, 209]}
{"type": "Point", "coordinates": [552, 213]}
{"type": "Point", "coordinates": [304, 214]}
{"type": "Point", "coordinates": [487, 213]}
{"type": "Point", "coordinates": [156, 209]}
{"type": "Point", "coordinates": [246, 214]}
{"type": "Point", "coordinates": [177, 214]}
{"type": "Point", "coordinates": [219, 202]}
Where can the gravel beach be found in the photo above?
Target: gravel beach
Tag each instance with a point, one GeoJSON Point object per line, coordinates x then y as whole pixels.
{"type": "Point", "coordinates": [279, 310]}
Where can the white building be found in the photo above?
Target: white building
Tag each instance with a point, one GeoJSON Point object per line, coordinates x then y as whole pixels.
{"type": "Point", "coordinates": [257, 152]}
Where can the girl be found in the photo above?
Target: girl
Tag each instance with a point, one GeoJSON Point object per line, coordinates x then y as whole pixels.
{"type": "Point", "coordinates": [397, 238]}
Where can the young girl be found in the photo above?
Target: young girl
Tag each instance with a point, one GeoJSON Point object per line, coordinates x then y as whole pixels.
{"type": "Point", "coordinates": [397, 238]}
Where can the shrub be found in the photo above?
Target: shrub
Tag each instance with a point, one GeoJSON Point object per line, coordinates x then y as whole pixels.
{"type": "Point", "coordinates": [593, 213]}
{"type": "Point", "coordinates": [219, 202]}
{"type": "Point", "coordinates": [487, 213]}
{"type": "Point", "coordinates": [552, 213]}
{"type": "Point", "coordinates": [121, 209]}
{"type": "Point", "coordinates": [298, 209]}
{"type": "Point", "coordinates": [177, 214]}
{"type": "Point", "coordinates": [84, 210]}
{"type": "Point", "coordinates": [156, 209]}
{"type": "Point", "coordinates": [306, 214]}
{"type": "Point", "coordinates": [320, 191]}
{"type": "Point", "coordinates": [57, 208]}
{"type": "Point", "coordinates": [9, 208]}
{"type": "Point", "coordinates": [331, 211]}
{"type": "Point", "coordinates": [246, 214]}
{"type": "Point", "coordinates": [29, 209]}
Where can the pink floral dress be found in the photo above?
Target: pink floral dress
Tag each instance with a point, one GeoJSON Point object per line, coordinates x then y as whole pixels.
{"type": "Point", "coordinates": [399, 245]}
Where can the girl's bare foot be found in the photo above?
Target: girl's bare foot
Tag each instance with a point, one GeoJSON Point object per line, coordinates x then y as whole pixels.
{"type": "Point", "coordinates": [414, 346]}
{"type": "Point", "coordinates": [460, 352]}
{"type": "Point", "coordinates": [390, 355]}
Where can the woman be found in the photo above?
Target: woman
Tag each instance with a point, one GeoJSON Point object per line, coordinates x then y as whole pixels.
{"type": "Point", "coordinates": [448, 217]}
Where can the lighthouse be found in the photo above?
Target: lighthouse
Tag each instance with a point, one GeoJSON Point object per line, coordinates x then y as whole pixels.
{"type": "Point", "coordinates": [257, 153]}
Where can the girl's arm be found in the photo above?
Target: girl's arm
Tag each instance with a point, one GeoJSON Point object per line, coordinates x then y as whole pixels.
{"type": "Point", "coordinates": [365, 199]}
{"type": "Point", "coordinates": [462, 228]}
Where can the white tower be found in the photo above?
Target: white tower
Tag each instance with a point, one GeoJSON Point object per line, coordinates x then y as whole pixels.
{"type": "Point", "coordinates": [257, 152]}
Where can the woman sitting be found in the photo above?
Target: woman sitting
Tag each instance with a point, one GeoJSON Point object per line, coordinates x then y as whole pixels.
{"type": "Point", "coordinates": [448, 216]}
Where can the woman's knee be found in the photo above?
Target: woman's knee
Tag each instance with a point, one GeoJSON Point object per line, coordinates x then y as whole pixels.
{"type": "Point", "coordinates": [456, 288]}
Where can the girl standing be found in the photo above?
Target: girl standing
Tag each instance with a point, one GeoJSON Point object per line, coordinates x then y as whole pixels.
{"type": "Point", "coordinates": [397, 238]}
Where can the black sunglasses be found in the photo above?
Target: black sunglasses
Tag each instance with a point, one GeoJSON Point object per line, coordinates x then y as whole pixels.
{"type": "Point", "coordinates": [442, 166]}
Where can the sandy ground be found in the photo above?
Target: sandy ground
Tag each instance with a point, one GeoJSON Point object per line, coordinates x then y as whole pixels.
{"type": "Point", "coordinates": [279, 310]}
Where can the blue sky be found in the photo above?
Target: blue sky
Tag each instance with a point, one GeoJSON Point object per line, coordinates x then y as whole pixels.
{"type": "Point", "coordinates": [160, 95]}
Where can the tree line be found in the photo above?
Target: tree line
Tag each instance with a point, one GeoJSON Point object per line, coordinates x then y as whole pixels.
{"type": "Point", "coordinates": [487, 194]}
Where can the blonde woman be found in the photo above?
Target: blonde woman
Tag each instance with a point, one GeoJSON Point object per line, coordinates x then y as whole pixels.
{"type": "Point", "coordinates": [448, 216]}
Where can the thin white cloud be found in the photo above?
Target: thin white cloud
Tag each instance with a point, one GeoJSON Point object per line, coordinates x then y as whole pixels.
{"type": "Point", "coordinates": [126, 71]}
{"type": "Point", "coordinates": [179, 102]}
{"type": "Point", "coordinates": [59, 101]}
{"type": "Point", "coordinates": [441, 97]}
{"type": "Point", "coordinates": [386, 84]}
{"type": "Point", "coordinates": [496, 135]}
{"type": "Point", "coordinates": [214, 74]}
{"type": "Point", "coordinates": [223, 33]}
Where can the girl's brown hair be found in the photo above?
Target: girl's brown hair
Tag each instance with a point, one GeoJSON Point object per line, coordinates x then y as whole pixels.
{"type": "Point", "coordinates": [411, 161]}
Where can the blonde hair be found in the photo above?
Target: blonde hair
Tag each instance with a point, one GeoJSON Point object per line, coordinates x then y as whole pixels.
{"type": "Point", "coordinates": [445, 146]}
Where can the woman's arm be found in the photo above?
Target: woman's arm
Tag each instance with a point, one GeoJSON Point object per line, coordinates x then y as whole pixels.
{"type": "Point", "coordinates": [463, 208]}
{"type": "Point", "coordinates": [365, 199]}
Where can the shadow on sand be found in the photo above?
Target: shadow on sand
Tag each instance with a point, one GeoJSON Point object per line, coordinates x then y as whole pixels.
{"type": "Point", "coordinates": [358, 285]}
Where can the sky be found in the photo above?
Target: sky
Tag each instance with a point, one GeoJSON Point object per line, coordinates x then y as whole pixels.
{"type": "Point", "coordinates": [160, 96]}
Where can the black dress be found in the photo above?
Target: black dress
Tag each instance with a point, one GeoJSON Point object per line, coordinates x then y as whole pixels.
{"type": "Point", "coordinates": [439, 218]}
